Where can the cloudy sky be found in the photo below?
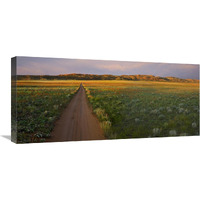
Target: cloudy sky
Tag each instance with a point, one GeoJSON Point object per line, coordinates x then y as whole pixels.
{"type": "Point", "coordinates": [56, 66]}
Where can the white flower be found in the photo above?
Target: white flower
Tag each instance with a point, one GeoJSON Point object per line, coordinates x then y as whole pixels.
{"type": "Point", "coordinates": [169, 110]}
{"type": "Point", "coordinates": [180, 110]}
{"type": "Point", "coordinates": [156, 131]}
{"type": "Point", "coordinates": [172, 132]}
{"type": "Point", "coordinates": [194, 125]}
{"type": "Point", "coordinates": [137, 120]}
{"type": "Point", "coordinates": [186, 111]}
{"type": "Point", "coordinates": [161, 116]}
{"type": "Point", "coordinates": [154, 111]}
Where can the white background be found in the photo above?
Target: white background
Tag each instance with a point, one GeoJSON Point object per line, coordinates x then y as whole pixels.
{"type": "Point", "coordinates": [143, 30]}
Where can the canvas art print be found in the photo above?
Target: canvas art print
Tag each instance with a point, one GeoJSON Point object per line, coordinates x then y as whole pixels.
{"type": "Point", "coordinates": [56, 99]}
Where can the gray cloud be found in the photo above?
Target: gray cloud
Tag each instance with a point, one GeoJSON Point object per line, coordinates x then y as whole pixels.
{"type": "Point", "coordinates": [55, 66]}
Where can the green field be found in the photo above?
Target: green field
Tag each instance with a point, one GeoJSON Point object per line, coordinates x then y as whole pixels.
{"type": "Point", "coordinates": [137, 109]}
{"type": "Point", "coordinates": [125, 109]}
{"type": "Point", "coordinates": [39, 104]}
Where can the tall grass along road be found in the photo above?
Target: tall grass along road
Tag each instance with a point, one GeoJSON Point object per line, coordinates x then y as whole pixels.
{"type": "Point", "coordinates": [77, 121]}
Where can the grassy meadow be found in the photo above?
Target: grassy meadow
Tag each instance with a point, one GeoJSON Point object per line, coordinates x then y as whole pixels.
{"type": "Point", "coordinates": [138, 109]}
{"type": "Point", "coordinates": [125, 109]}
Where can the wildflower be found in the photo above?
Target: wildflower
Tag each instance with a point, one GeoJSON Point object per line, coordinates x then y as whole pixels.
{"type": "Point", "coordinates": [38, 135]}
{"type": "Point", "coordinates": [194, 125]}
{"type": "Point", "coordinates": [186, 111]}
{"type": "Point", "coordinates": [180, 110]}
{"type": "Point", "coordinates": [172, 132]}
{"type": "Point", "coordinates": [156, 131]}
{"type": "Point", "coordinates": [169, 110]}
{"type": "Point", "coordinates": [137, 120]}
{"type": "Point", "coordinates": [154, 111]}
{"type": "Point", "coordinates": [50, 118]}
{"type": "Point", "coordinates": [55, 106]}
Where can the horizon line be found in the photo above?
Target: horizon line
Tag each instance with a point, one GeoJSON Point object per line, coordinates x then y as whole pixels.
{"type": "Point", "coordinates": [106, 74]}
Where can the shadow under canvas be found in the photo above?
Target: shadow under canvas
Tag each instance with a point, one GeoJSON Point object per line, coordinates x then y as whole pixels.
{"type": "Point", "coordinates": [8, 137]}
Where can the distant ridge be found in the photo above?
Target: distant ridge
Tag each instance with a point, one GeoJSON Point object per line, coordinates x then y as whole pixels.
{"type": "Point", "coordinates": [104, 77]}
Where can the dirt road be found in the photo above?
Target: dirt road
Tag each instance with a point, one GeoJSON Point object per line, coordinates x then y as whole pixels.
{"type": "Point", "coordinates": [77, 121]}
